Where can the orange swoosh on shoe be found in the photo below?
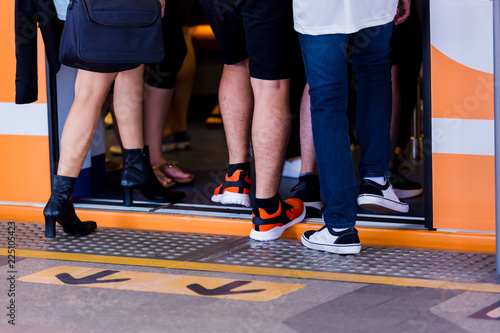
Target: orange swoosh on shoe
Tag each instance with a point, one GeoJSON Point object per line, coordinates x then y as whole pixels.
{"type": "Point", "coordinates": [263, 214]}
{"type": "Point", "coordinates": [235, 177]}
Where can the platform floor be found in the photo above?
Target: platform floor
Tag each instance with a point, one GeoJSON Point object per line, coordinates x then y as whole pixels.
{"type": "Point", "coordinates": [131, 280]}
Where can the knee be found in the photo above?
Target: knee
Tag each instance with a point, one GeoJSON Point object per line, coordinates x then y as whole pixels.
{"type": "Point", "coordinates": [379, 63]}
{"type": "Point", "coordinates": [329, 90]}
{"type": "Point", "coordinates": [92, 98]}
{"type": "Point", "coordinates": [328, 100]}
{"type": "Point", "coordinates": [272, 87]}
{"type": "Point", "coordinates": [242, 65]}
{"type": "Point", "coordinates": [91, 92]}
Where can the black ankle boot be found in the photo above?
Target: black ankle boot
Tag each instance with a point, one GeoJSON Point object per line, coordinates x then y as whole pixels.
{"type": "Point", "coordinates": [60, 209]}
{"type": "Point", "coordinates": [138, 174]}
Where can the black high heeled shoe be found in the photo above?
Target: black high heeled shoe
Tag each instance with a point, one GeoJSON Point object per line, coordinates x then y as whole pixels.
{"type": "Point", "coordinates": [138, 174]}
{"type": "Point", "coordinates": [60, 209]}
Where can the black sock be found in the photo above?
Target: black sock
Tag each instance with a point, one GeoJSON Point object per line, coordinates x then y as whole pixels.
{"type": "Point", "coordinates": [270, 205]}
{"type": "Point", "coordinates": [309, 178]}
{"type": "Point", "coordinates": [231, 168]}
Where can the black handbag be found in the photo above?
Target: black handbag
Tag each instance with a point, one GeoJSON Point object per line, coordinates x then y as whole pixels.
{"type": "Point", "coordinates": [112, 35]}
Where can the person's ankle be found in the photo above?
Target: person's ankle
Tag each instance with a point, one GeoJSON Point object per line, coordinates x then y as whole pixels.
{"type": "Point", "coordinates": [157, 161]}
{"type": "Point", "coordinates": [231, 168]}
{"type": "Point", "coordinates": [379, 180]}
{"type": "Point", "coordinates": [270, 205]}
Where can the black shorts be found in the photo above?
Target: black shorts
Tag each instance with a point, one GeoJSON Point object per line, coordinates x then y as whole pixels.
{"type": "Point", "coordinates": [261, 30]}
{"type": "Point", "coordinates": [163, 74]}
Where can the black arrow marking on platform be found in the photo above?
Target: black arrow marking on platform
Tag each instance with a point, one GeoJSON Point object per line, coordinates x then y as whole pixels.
{"type": "Point", "coordinates": [223, 290]}
{"type": "Point", "coordinates": [91, 279]}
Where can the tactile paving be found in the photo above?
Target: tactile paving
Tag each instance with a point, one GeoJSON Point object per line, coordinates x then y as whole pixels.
{"type": "Point", "coordinates": [117, 242]}
{"type": "Point", "coordinates": [242, 251]}
{"type": "Point", "coordinates": [373, 260]}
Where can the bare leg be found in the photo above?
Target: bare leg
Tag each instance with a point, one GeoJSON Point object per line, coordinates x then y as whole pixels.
{"type": "Point", "coordinates": [157, 103]}
{"type": "Point", "coordinates": [396, 107]}
{"type": "Point", "coordinates": [306, 138]}
{"type": "Point", "coordinates": [270, 133]}
{"type": "Point", "coordinates": [156, 106]}
{"type": "Point", "coordinates": [236, 103]}
{"type": "Point", "coordinates": [91, 90]}
{"type": "Point", "coordinates": [128, 96]}
{"type": "Point", "coordinates": [177, 117]}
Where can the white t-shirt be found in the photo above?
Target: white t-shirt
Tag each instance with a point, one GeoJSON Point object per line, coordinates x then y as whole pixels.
{"type": "Point", "coordinates": [61, 8]}
{"type": "Point", "coordinates": [321, 17]}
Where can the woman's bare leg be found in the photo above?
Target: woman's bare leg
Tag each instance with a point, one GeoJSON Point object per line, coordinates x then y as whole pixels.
{"type": "Point", "coordinates": [396, 109]}
{"type": "Point", "coordinates": [306, 138]}
{"type": "Point", "coordinates": [156, 107]}
{"type": "Point", "coordinates": [128, 97]}
{"type": "Point", "coordinates": [91, 90]}
{"type": "Point", "coordinates": [157, 104]}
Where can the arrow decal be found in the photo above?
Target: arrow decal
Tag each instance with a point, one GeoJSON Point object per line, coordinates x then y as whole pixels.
{"type": "Point", "coordinates": [226, 289]}
{"type": "Point", "coordinates": [194, 286]}
{"type": "Point", "coordinates": [91, 279]}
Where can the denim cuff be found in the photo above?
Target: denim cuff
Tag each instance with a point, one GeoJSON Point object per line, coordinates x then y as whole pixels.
{"type": "Point", "coordinates": [340, 222]}
{"type": "Point", "coordinates": [386, 174]}
{"type": "Point", "coordinates": [341, 225]}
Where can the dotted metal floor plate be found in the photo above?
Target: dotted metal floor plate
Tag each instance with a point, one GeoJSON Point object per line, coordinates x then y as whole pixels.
{"type": "Point", "coordinates": [373, 260]}
{"type": "Point", "coordinates": [242, 251]}
{"type": "Point", "coordinates": [118, 242]}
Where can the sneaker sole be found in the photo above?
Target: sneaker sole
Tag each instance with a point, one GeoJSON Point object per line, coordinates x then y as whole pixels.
{"type": "Point", "coordinates": [183, 145]}
{"type": "Point", "coordinates": [381, 205]}
{"type": "Point", "coordinates": [314, 204]}
{"type": "Point", "coordinates": [406, 194]}
{"type": "Point", "coordinates": [167, 147]}
{"type": "Point", "coordinates": [230, 198]}
{"type": "Point", "coordinates": [334, 248]}
{"type": "Point", "coordinates": [276, 232]}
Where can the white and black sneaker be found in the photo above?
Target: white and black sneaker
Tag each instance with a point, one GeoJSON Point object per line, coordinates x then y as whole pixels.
{"type": "Point", "coordinates": [380, 198]}
{"type": "Point", "coordinates": [325, 239]}
{"type": "Point", "coordinates": [309, 192]}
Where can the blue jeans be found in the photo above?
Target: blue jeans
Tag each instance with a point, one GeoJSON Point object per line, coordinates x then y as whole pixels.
{"type": "Point", "coordinates": [326, 70]}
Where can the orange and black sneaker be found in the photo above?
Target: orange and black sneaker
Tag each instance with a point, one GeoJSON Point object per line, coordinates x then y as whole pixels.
{"type": "Point", "coordinates": [235, 188]}
{"type": "Point", "coordinates": [268, 227]}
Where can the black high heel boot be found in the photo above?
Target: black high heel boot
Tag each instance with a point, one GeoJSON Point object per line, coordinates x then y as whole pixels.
{"type": "Point", "coordinates": [138, 174]}
{"type": "Point", "coordinates": [60, 209]}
